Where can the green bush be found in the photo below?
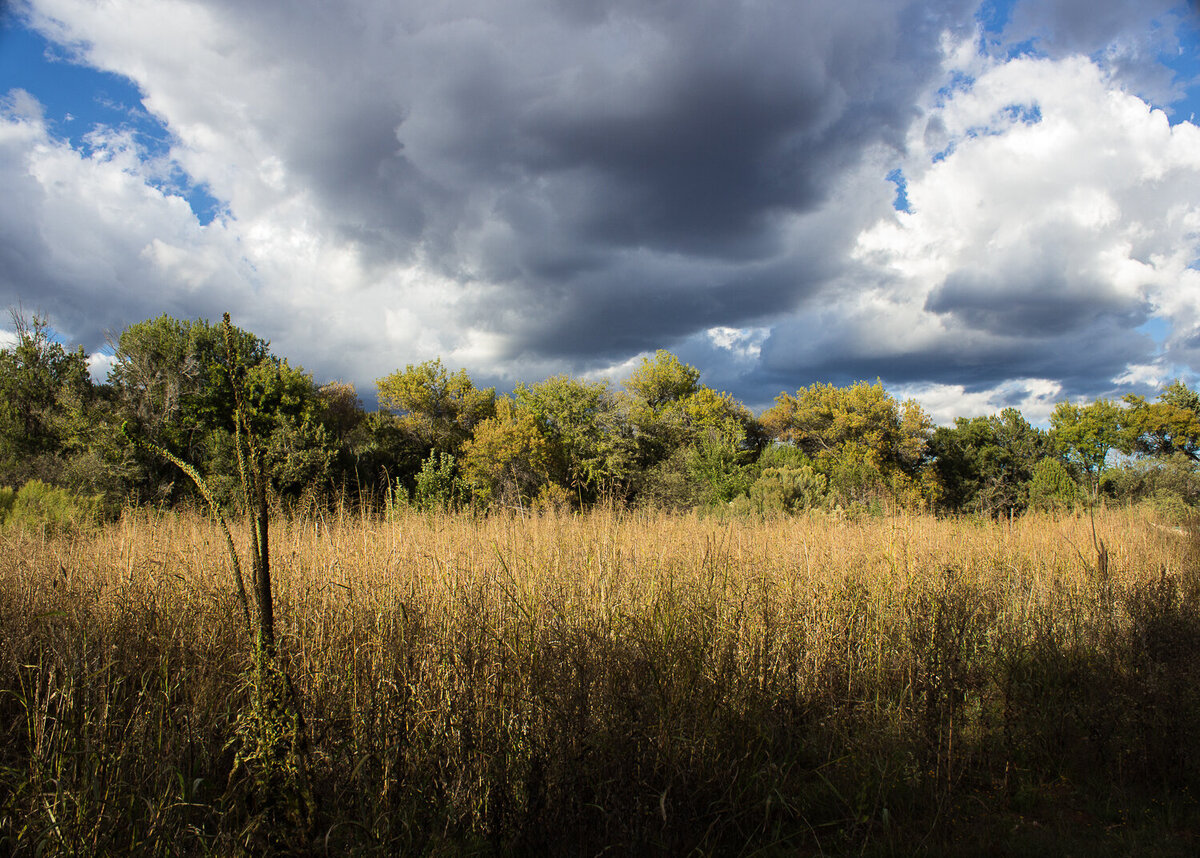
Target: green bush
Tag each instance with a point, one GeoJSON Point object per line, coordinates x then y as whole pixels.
{"type": "Point", "coordinates": [1051, 487]}
{"type": "Point", "coordinates": [780, 455]}
{"type": "Point", "coordinates": [670, 484]}
{"type": "Point", "coordinates": [437, 484]}
{"type": "Point", "coordinates": [1152, 479]}
{"type": "Point", "coordinates": [788, 490]}
{"type": "Point", "coordinates": [44, 508]}
{"type": "Point", "coordinates": [856, 481]}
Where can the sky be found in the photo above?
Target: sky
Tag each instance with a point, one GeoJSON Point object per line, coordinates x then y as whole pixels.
{"type": "Point", "coordinates": [983, 205]}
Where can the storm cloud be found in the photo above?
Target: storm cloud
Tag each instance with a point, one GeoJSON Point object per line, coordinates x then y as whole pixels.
{"type": "Point", "coordinates": [532, 187]}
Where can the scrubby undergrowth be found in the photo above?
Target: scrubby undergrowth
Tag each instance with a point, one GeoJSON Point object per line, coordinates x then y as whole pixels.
{"type": "Point", "coordinates": [610, 683]}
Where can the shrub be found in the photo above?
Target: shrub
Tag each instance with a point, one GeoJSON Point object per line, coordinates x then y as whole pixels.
{"type": "Point", "coordinates": [1172, 508]}
{"type": "Point", "coordinates": [1051, 487]}
{"type": "Point", "coordinates": [670, 485]}
{"type": "Point", "coordinates": [856, 480]}
{"type": "Point", "coordinates": [1142, 480]}
{"type": "Point", "coordinates": [41, 507]}
{"type": "Point", "coordinates": [783, 455]}
{"type": "Point", "coordinates": [788, 490]}
{"type": "Point", "coordinates": [438, 486]}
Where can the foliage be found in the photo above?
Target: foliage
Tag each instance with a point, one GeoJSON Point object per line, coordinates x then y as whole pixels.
{"type": "Point", "coordinates": [1086, 434]}
{"type": "Point", "coordinates": [507, 461]}
{"type": "Point", "coordinates": [720, 462]}
{"type": "Point", "coordinates": [590, 443]}
{"type": "Point", "coordinates": [1052, 487]}
{"type": "Point", "coordinates": [782, 455]}
{"type": "Point", "coordinates": [284, 410]}
{"type": "Point", "coordinates": [983, 464]}
{"type": "Point", "coordinates": [1142, 479]}
{"type": "Point", "coordinates": [662, 381]}
{"type": "Point", "coordinates": [439, 410]}
{"type": "Point", "coordinates": [861, 437]}
{"type": "Point", "coordinates": [45, 394]}
{"type": "Point", "coordinates": [380, 452]}
{"type": "Point", "coordinates": [170, 378]}
{"type": "Point", "coordinates": [438, 486]}
{"type": "Point", "coordinates": [654, 397]}
{"type": "Point", "coordinates": [788, 490]}
{"type": "Point", "coordinates": [685, 432]}
{"type": "Point", "coordinates": [172, 391]}
{"type": "Point", "coordinates": [857, 479]}
{"type": "Point", "coordinates": [669, 484]}
{"type": "Point", "coordinates": [1167, 427]}
{"type": "Point", "coordinates": [342, 411]}
{"type": "Point", "coordinates": [661, 438]}
{"type": "Point", "coordinates": [821, 419]}
{"type": "Point", "coordinates": [42, 508]}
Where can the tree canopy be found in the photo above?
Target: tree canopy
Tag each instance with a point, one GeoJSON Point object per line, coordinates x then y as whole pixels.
{"type": "Point", "coordinates": [660, 437]}
{"type": "Point", "coordinates": [438, 409]}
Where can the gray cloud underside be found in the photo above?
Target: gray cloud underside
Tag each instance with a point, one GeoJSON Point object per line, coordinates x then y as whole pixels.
{"type": "Point", "coordinates": [1083, 361]}
{"type": "Point", "coordinates": [679, 130]}
{"type": "Point", "coordinates": [605, 181]}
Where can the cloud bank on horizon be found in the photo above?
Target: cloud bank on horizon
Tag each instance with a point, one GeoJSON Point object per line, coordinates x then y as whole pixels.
{"type": "Point", "coordinates": [981, 204]}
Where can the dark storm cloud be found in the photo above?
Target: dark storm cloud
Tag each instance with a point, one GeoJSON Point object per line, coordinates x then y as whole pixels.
{"type": "Point", "coordinates": [1120, 28]}
{"type": "Point", "coordinates": [1084, 360]}
{"type": "Point", "coordinates": [682, 130]}
{"type": "Point", "coordinates": [1043, 303]}
{"type": "Point", "coordinates": [616, 313]}
{"type": "Point", "coordinates": [565, 184]}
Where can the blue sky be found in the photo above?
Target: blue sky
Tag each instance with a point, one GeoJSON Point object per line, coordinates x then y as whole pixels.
{"type": "Point", "coordinates": [982, 204]}
{"type": "Point", "coordinates": [77, 98]}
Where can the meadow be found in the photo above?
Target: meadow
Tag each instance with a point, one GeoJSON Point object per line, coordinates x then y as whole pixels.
{"type": "Point", "coordinates": [615, 682]}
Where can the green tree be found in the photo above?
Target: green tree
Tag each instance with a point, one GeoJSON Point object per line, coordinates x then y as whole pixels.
{"type": "Point", "coordinates": [173, 390]}
{"type": "Point", "coordinates": [1166, 427]}
{"type": "Point", "coordinates": [438, 486]}
{"type": "Point", "coordinates": [1086, 434]}
{"type": "Point", "coordinates": [821, 419]}
{"type": "Point", "coordinates": [45, 398]}
{"type": "Point", "coordinates": [662, 381]}
{"type": "Point", "coordinates": [439, 410]}
{"type": "Point", "coordinates": [170, 376]}
{"type": "Point", "coordinates": [861, 437]}
{"type": "Point", "coordinates": [381, 451]}
{"type": "Point", "coordinates": [788, 489]}
{"type": "Point", "coordinates": [722, 462]}
{"type": "Point", "coordinates": [508, 460]}
{"type": "Point", "coordinates": [1051, 487]}
{"type": "Point", "coordinates": [284, 410]}
{"type": "Point", "coordinates": [693, 444]}
{"type": "Point", "coordinates": [590, 441]}
{"type": "Point", "coordinates": [1173, 480]}
{"type": "Point", "coordinates": [654, 399]}
{"type": "Point", "coordinates": [983, 464]}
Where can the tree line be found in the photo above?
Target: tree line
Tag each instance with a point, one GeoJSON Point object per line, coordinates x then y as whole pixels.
{"type": "Point", "coordinates": [658, 438]}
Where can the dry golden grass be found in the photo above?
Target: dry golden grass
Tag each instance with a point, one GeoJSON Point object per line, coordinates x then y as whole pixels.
{"type": "Point", "coordinates": [602, 560]}
{"type": "Point", "coordinates": [562, 684]}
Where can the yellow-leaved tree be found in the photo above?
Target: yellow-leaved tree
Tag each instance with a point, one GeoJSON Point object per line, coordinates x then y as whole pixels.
{"type": "Point", "coordinates": [867, 442]}
{"type": "Point", "coordinates": [507, 461]}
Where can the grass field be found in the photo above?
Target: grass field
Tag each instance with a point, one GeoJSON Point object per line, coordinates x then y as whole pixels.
{"type": "Point", "coordinates": [610, 683]}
